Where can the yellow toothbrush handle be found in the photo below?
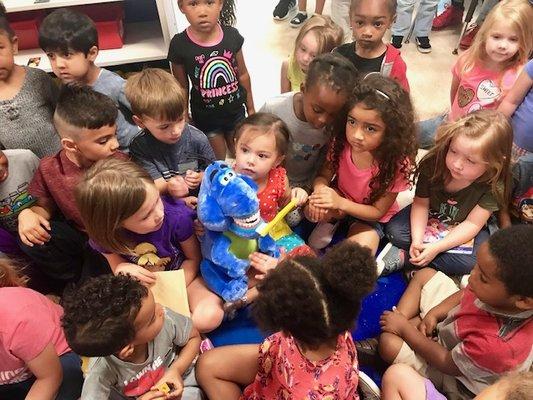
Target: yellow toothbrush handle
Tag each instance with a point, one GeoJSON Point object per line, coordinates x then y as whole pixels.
{"type": "Point", "coordinates": [279, 216]}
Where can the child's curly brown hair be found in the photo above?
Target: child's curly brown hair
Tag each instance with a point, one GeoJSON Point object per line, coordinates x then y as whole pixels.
{"type": "Point", "coordinates": [314, 299]}
{"type": "Point", "coordinates": [399, 146]}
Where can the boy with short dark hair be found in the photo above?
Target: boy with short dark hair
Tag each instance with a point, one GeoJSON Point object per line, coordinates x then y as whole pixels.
{"type": "Point", "coordinates": [70, 41]}
{"type": "Point", "coordinates": [484, 330]}
{"type": "Point", "coordinates": [51, 232]}
{"type": "Point", "coordinates": [115, 319]}
{"type": "Point", "coordinates": [174, 153]}
{"type": "Point", "coordinates": [369, 20]}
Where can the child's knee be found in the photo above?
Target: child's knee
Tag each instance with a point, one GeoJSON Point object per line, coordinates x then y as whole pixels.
{"type": "Point", "coordinates": [389, 346]}
{"type": "Point", "coordinates": [206, 367]}
{"type": "Point", "coordinates": [421, 277]}
{"type": "Point", "coordinates": [206, 319]}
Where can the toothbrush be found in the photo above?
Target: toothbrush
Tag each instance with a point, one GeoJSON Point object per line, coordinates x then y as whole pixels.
{"type": "Point", "coordinates": [264, 228]}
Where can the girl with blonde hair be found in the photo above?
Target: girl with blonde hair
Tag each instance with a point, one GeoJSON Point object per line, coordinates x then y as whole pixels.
{"type": "Point", "coordinates": [461, 182]}
{"type": "Point", "coordinates": [485, 73]}
{"type": "Point", "coordinates": [318, 35]}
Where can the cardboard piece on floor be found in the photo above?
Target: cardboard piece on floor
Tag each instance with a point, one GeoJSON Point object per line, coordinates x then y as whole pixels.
{"type": "Point", "coordinates": [169, 290]}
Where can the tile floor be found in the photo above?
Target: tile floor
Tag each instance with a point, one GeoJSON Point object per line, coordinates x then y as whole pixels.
{"type": "Point", "coordinates": [268, 42]}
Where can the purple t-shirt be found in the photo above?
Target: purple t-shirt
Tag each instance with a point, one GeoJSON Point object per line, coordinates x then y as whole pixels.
{"type": "Point", "coordinates": [522, 119]}
{"type": "Point", "coordinates": [177, 227]}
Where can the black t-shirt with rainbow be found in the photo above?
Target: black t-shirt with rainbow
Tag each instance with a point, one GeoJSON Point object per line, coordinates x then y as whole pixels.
{"type": "Point", "coordinates": [215, 89]}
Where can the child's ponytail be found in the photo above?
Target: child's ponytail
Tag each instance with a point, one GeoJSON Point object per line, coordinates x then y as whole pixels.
{"type": "Point", "coordinates": [10, 276]}
{"type": "Point", "coordinates": [316, 300]}
{"type": "Point", "coordinates": [349, 274]}
{"type": "Point", "coordinates": [227, 14]}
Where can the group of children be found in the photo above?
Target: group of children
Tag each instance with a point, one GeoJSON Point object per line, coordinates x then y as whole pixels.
{"type": "Point", "coordinates": [100, 178]}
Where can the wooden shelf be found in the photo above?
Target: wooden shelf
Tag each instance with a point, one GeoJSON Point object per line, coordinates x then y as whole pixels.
{"type": "Point", "coordinates": [28, 5]}
{"type": "Point", "coordinates": [143, 42]}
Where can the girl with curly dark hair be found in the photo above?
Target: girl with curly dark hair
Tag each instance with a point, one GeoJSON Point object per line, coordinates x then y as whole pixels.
{"type": "Point", "coordinates": [372, 156]}
{"type": "Point", "coordinates": [312, 305]}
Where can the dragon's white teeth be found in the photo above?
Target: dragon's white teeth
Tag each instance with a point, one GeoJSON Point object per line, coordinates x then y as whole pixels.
{"type": "Point", "coordinates": [248, 222]}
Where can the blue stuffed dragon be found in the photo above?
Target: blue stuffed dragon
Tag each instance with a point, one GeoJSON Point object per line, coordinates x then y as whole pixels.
{"type": "Point", "coordinates": [229, 210]}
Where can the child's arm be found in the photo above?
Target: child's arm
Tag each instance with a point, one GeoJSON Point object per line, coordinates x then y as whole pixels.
{"type": "Point", "coordinates": [323, 179]}
{"type": "Point", "coordinates": [179, 73]}
{"type": "Point", "coordinates": [517, 93]}
{"type": "Point", "coordinates": [433, 352]}
{"type": "Point", "coordinates": [175, 186]}
{"type": "Point", "coordinates": [48, 375]}
{"type": "Point", "coordinates": [244, 80]}
{"type": "Point", "coordinates": [193, 256]}
{"type": "Point", "coordinates": [175, 371]}
{"type": "Point", "coordinates": [299, 194]}
{"type": "Point", "coordinates": [465, 231]}
{"type": "Point", "coordinates": [285, 83]}
{"type": "Point", "coordinates": [454, 88]}
{"type": "Point", "coordinates": [120, 265]}
{"type": "Point", "coordinates": [439, 313]}
{"type": "Point", "coordinates": [34, 222]}
{"type": "Point", "coordinates": [328, 198]}
{"type": "Point", "coordinates": [419, 220]}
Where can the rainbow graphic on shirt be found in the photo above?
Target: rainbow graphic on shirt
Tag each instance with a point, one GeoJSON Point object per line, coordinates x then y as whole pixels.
{"type": "Point", "coordinates": [218, 78]}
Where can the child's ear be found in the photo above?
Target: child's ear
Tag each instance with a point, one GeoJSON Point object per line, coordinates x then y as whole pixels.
{"type": "Point", "coordinates": [15, 44]}
{"type": "Point", "coordinates": [524, 303]}
{"type": "Point", "coordinates": [138, 121]}
{"type": "Point", "coordinates": [126, 351]}
{"type": "Point", "coordinates": [302, 87]}
{"type": "Point", "coordinates": [280, 160]}
{"type": "Point", "coordinates": [92, 54]}
{"type": "Point", "coordinates": [68, 144]}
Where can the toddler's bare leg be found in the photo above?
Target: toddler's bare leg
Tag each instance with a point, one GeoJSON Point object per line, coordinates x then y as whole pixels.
{"type": "Point", "coordinates": [223, 371]}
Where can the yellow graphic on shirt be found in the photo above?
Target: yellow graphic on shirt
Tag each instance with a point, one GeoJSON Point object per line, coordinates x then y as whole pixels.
{"type": "Point", "coordinates": [148, 258]}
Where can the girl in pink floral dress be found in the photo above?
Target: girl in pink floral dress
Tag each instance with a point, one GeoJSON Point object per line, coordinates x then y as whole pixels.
{"type": "Point", "coordinates": [312, 305]}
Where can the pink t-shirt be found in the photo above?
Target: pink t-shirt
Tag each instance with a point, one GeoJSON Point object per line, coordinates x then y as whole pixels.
{"type": "Point", "coordinates": [285, 373]}
{"type": "Point", "coordinates": [479, 88]}
{"type": "Point", "coordinates": [28, 322]}
{"type": "Point", "coordinates": [354, 183]}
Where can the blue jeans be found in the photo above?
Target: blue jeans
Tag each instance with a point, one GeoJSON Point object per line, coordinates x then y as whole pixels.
{"type": "Point", "coordinates": [427, 130]}
{"type": "Point", "coordinates": [523, 175]}
{"type": "Point", "coordinates": [424, 17]}
{"type": "Point", "coordinates": [70, 388]}
{"type": "Point", "coordinates": [398, 231]}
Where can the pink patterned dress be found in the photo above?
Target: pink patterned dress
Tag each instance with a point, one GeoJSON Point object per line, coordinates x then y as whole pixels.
{"type": "Point", "coordinates": [285, 373]}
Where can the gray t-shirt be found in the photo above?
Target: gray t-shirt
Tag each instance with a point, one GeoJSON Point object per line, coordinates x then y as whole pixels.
{"type": "Point", "coordinates": [307, 147]}
{"type": "Point", "coordinates": [26, 119]}
{"type": "Point", "coordinates": [192, 151]}
{"type": "Point", "coordinates": [112, 85]}
{"type": "Point", "coordinates": [14, 196]}
{"type": "Point", "coordinates": [111, 377]}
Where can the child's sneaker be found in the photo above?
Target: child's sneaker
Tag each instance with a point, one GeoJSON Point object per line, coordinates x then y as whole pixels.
{"type": "Point", "coordinates": [468, 38]}
{"type": "Point", "coordinates": [298, 19]}
{"type": "Point", "coordinates": [390, 259]}
{"type": "Point", "coordinates": [322, 235]}
{"type": "Point", "coordinates": [283, 9]}
{"type": "Point", "coordinates": [367, 388]}
{"type": "Point", "coordinates": [451, 16]}
{"type": "Point", "coordinates": [396, 41]}
{"type": "Point", "coordinates": [423, 45]}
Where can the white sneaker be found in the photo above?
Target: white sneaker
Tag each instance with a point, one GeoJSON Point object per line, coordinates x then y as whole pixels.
{"type": "Point", "coordinates": [322, 235]}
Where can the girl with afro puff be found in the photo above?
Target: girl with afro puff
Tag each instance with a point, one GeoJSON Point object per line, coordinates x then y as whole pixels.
{"type": "Point", "coordinates": [312, 305]}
